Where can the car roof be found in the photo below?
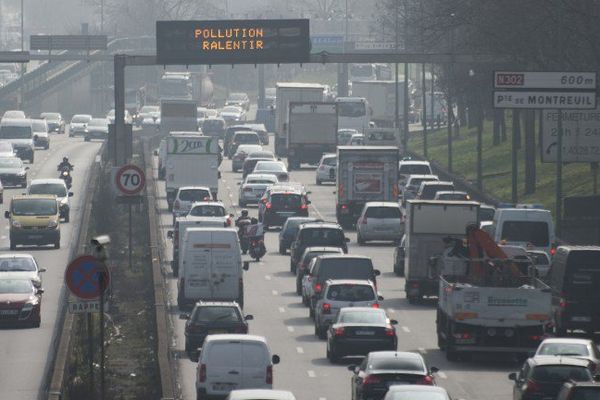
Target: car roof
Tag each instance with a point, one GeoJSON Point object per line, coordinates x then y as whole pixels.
{"type": "Point", "coordinates": [16, 255]}
{"type": "Point", "coordinates": [208, 203]}
{"type": "Point", "coordinates": [323, 248]}
{"type": "Point", "coordinates": [451, 192]}
{"type": "Point", "coordinates": [232, 336]}
{"type": "Point", "coordinates": [328, 225]}
{"type": "Point", "coordinates": [417, 388]}
{"type": "Point", "coordinates": [194, 188]}
{"type": "Point", "coordinates": [262, 394]}
{"type": "Point", "coordinates": [567, 340]}
{"type": "Point", "coordinates": [345, 257]}
{"type": "Point", "coordinates": [362, 309]}
{"type": "Point", "coordinates": [395, 354]}
{"type": "Point", "coordinates": [46, 181]}
{"type": "Point", "coordinates": [422, 176]}
{"type": "Point", "coordinates": [34, 196]}
{"type": "Point", "coordinates": [559, 360]}
{"type": "Point", "coordinates": [427, 183]}
{"type": "Point", "coordinates": [413, 162]}
{"type": "Point", "coordinates": [382, 204]}
{"type": "Point", "coordinates": [258, 176]}
{"type": "Point", "coordinates": [286, 190]}
{"type": "Point", "coordinates": [16, 122]}
{"type": "Point", "coordinates": [217, 304]}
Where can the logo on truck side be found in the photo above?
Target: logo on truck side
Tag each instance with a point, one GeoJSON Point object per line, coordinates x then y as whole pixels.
{"type": "Point", "coordinates": [182, 146]}
{"type": "Point", "coordinates": [504, 302]}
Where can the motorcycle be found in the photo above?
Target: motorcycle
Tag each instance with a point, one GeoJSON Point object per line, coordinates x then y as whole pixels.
{"type": "Point", "coordinates": [257, 248]}
{"type": "Point", "coordinates": [65, 175]}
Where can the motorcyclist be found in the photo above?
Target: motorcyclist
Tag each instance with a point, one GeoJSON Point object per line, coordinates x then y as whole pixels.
{"type": "Point", "coordinates": [255, 234]}
{"type": "Point", "coordinates": [244, 219]}
{"type": "Point", "coordinates": [65, 164]}
{"type": "Point", "coordinates": [241, 223]}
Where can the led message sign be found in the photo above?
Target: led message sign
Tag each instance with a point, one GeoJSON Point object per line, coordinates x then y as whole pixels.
{"type": "Point", "coordinates": [233, 42]}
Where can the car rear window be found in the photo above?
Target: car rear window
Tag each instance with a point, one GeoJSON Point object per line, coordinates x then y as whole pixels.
{"type": "Point", "coordinates": [225, 354]}
{"type": "Point", "coordinates": [533, 232]}
{"type": "Point", "coordinates": [361, 317]}
{"type": "Point", "coordinates": [383, 212]}
{"type": "Point", "coordinates": [344, 268]}
{"type": "Point", "coordinates": [331, 161]}
{"type": "Point", "coordinates": [17, 264]}
{"type": "Point", "coordinates": [486, 214]}
{"type": "Point", "coordinates": [349, 292]}
{"type": "Point", "coordinates": [412, 169]}
{"type": "Point", "coordinates": [322, 236]}
{"type": "Point", "coordinates": [585, 393]}
{"type": "Point", "coordinates": [207, 211]}
{"type": "Point", "coordinates": [212, 124]}
{"type": "Point", "coordinates": [555, 349]}
{"type": "Point", "coordinates": [417, 395]}
{"type": "Point", "coordinates": [404, 364]}
{"type": "Point", "coordinates": [286, 200]}
{"type": "Point", "coordinates": [194, 195]}
{"type": "Point", "coordinates": [429, 191]}
{"type": "Point", "coordinates": [215, 314]}
{"type": "Point", "coordinates": [561, 373]}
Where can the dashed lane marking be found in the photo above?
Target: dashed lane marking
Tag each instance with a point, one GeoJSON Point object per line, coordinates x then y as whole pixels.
{"type": "Point", "coordinates": [290, 329]}
{"type": "Point", "coordinates": [275, 292]}
{"type": "Point", "coordinates": [300, 350]}
{"type": "Point", "coordinates": [405, 329]}
{"type": "Point", "coordinates": [311, 373]}
{"type": "Point", "coordinates": [422, 350]}
{"type": "Point", "coordinates": [268, 277]}
{"type": "Point", "coordinates": [281, 309]}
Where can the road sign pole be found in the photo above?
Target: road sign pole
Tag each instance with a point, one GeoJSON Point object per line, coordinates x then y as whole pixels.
{"type": "Point", "coordinates": [101, 283]}
{"type": "Point", "coordinates": [515, 159]}
{"type": "Point", "coordinates": [405, 111]}
{"type": "Point", "coordinates": [130, 237]}
{"type": "Point", "coordinates": [90, 335]}
{"type": "Point", "coordinates": [559, 171]}
{"type": "Point", "coordinates": [424, 116]}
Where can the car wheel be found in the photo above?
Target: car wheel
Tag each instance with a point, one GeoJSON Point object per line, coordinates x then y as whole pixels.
{"type": "Point", "coordinates": [199, 396]}
{"type": "Point", "coordinates": [57, 244]}
{"type": "Point", "coordinates": [441, 342]}
{"type": "Point", "coordinates": [293, 269]}
{"type": "Point", "coordinates": [282, 250]}
{"type": "Point", "coordinates": [333, 356]}
{"type": "Point", "coordinates": [67, 216]}
{"type": "Point", "coordinates": [399, 269]}
{"type": "Point", "coordinates": [359, 239]}
{"type": "Point", "coordinates": [320, 332]}
{"type": "Point", "coordinates": [304, 300]}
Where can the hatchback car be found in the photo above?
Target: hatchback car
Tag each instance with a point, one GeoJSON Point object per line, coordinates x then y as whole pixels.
{"type": "Point", "coordinates": [344, 136]}
{"type": "Point", "coordinates": [97, 128]}
{"type": "Point", "coordinates": [317, 234]}
{"type": "Point", "coordinates": [357, 331]}
{"type": "Point", "coordinates": [452, 195]}
{"type": "Point", "coordinates": [541, 262]}
{"type": "Point", "coordinates": [260, 394]}
{"type": "Point", "coordinates": [214, 126]}
{"type": "Point", "coordinates": [243, 150]}
{"type": "Point", "coordinates": [40, 133]}
{"type": "Point", "coordinates": [407, 168]}
{"type": "Point", "coordinates": [272, 167]}
{"type": "Point", "coordinates": [20, 303]}
{"type": "Point", "coordinates": [570, 347]}
{"type": "Point", "coordinates": [302, 268]}
{"type": "Point", "coordinates": [289, 230]}
{"type": "Point", "coordinates": [340, 293]}
{"type": "Point", "coordinates": [380, 221]}
{"type": "Point", "coordinates": [281, 203]}
{"type": "Point", "coordinates": [253, 158]}
{"type": "Point", "coordinates": [55, 121]}
{"type": "Point", "coordinates": [242, 137]}
{"type": "Point", "coordinates": [327, 169]}
{"type": "Point", "coordinates": [428, 189]}
{"type": "Point", "coordinates": [240, 99]}
{"type": "Point", "coordinates": [542, 377]}
{"type": "Point", "coordinates": [212, 212]}
{"type": "Point", "coordinates": [412, 185]}
{"type": "Point", "coordinates": [381, 369]}
{"type": "Point", "coordinates": [21, 266]}
{"type": "Point", "coordinates": [13, 172]}
{"type": "Point", "coordinates": [210, 318]}
{"type": "Point", "coordinates": [253, 187]}
{"type": "Point", "coordinates": [78, 125]}
{"type": "Point", "coordinates": [186, 196]}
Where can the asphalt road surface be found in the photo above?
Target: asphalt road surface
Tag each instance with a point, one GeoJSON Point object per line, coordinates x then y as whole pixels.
{"type": "Point", "coordinates": [280, 316]}
{"type": "Point", "coordinates": [25, 353]}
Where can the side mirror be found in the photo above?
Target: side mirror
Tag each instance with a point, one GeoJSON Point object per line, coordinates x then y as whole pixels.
{"type": "Point", "coordinates": [246, 266]}
{"type": "Point", "coordinates": [184, 316]}
{"type": "Point", "coordinates": [380, 298]}
{"type": "Point", "coordinates": [376, 272]}
{"type": "Point", "coordinates": [248, 317]}
{"type": "Point", "coordinates": [170, 234]}
{"type": "Point", "coordinates": [7, 214]}
{"type": "Point", "coordinates": [41, 270]}
{"type": "Point", "coordinates": [40, 291]}
{"type": "Point", "coordinates": [512, 376]}
{"type": "Point", "coordinates": [275, 359]}
{"type": "Point", "coordinates": [393, 322]}
{"type": "Point", "coordinates": [70, 194]}
{"type": "Point", "coordinates": [434, 370]}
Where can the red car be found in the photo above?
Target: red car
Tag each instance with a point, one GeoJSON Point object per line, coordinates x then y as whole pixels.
{"type": "Point", "coordinates": [20, 303]}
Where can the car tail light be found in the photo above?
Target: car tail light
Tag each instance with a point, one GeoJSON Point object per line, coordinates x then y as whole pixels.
{"type": "Point", "coordinates": [563, 301]}
{"type": "Point", "coordinates": [339, 332]}
{"type": "Point", "coordinates": [426, 380]}
{"type": "Point", "coordinates": [202, 373]}
{"type": "Point", "coordinates": [553, 250]}
{"type": "Point", "coordinates": [535, 337]}
{"type": "Point", "coordinates": [269, 379]}
{"type": "Point", "coordinates": [247, 189]}
{"type": "Point", "coordinates": [414, 285]}
{"type": "Point", "coordinates": [176, 205]}
{"type": "Point", "coordinates": [371, 379]}
{"type": "Point", "coordinates": [326, 307]}
{"type": "Point", "coordinates": [344, 206]}
{"type": "Point", "coordinates": [207, 198]}
{"type": "Point", "coordinates": [390, 332]}
{"type": "Point", "coordinates": [268, 206]}
{"type": "Point", "coordinates": [532, 387]}
{"type": "Point", "coordinates": [375, 305]}
{"type": "Point", "coordinates": [303, 206]}
{"type": "Point", "coordinates": [318, 288]}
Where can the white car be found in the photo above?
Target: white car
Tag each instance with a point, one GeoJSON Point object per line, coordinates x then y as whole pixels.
{"type": "Point", "coordinates": [412, 167]}
{"type": "Point", "coordinates": [212, 212]}
{"type": "Point", "coordinates": [572, 347]}
{"type": "Point", "coordinates": [541, 262]}
{"type": "Point", "coordinates": [40, 133]}
{"type": "Point", "coordinates": [327, 169]}
{"type": "Point", "coordinates": [342, 293]}
{"type": "Point", "coordinates": [6, 149]}
{"type": "Point", "coordinates": [148, 115]}
{"type": "Point", "coordinates": [233, 114]}
{"type": "Point", "coordinates": [242, 152]}
{"type": "Point", "coordinates": [78, 125]}
{"type": "Point", "coordinates": [56, 187]}
{"type": "Point", "coordinates": [232, 361]}
{"type": "Point", "coordinates": [452, 195]}
{"type": "Point", "coordinates": [186, 196]}
{"type": "Point", "coordinates": [253, 188]}
{"type": "Point", "coordinates": [380, 220]}
{"type": "Point", "coordinates": [260, 394]}
{"type": "Point", "coordinates": [111, 117]}
{"type": "Point", "coordinates": [357, 139]}
{"type": "Point", "coordinates": [20, 266]}
{"type": "Point", "coordinates": [276, 168]}
{"type": "Point", "coordinates": [412, 185]}
{"type": "Point", "coordinates": [14, 114]}
{"type": "Point", "coordinates": [344, 136]}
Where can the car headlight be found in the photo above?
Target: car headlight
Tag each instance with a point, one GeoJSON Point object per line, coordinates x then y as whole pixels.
{"type": "Point", "coordinates": [52, 224]}
{"type": "Point", "coordinates": [37, 282]}
{"type": "Point", "coordinates": [16, 224]}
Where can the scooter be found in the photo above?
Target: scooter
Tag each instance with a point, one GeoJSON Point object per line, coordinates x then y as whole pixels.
{"type": "Point", "coordinates": [257, 248]}
{"type": "Point", "coordinates": [65, 175]}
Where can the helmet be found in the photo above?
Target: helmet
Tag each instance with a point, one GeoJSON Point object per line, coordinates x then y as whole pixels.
{"type": "Point", "coordinates": [244, 213]}
{"type": "Point", "coordinates": [65, 159]}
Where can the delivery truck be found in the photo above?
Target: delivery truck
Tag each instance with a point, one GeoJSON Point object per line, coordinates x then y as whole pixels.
{"type": "Point", "coordinates": [178, 115]}
{"type": "Point", "coordinates": [312, 131]}
{"type": "Point", "coordinates": [364, 173]}
{"type": "Point", "coordinates": [381, 97]}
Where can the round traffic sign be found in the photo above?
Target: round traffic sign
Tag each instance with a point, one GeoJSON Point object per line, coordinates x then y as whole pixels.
{"type": "Point", "coordinates": [87, 277]}
{"type": "Point", "coordinates": [130, 180]}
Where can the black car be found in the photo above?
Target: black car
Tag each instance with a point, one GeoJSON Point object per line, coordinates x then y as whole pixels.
{"type": "Point", "coordinates": [289, 230]}
{"type": "Point", "coordinates": [228, 136]}
{"type": "Point", "coordinates": [381, 369]}
{"type": "Point", "coordinates": [281, 203]}
{"type": "Point", "coordinates": [209, 318]}
{"type": "Point", "coordinates": [13, 172]}
{"type": "Point", "coordinates": [214, 127]}
{"type": "Point", "coordinates": [542, 377]}
{"type": "Point", "coordinates": [252, 159]}
{"type": "Point", "coordinates": [357, 331]}
{"type": "Point", "coordinates": [317, 234]}
{"type": "Point", "coordinates": [241, 137]}
{"type": "Point", "coordinates": [309, 254]}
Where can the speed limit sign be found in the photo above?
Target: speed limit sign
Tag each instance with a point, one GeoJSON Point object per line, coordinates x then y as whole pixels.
{"type": "Point", "coordinates": [129, 180]}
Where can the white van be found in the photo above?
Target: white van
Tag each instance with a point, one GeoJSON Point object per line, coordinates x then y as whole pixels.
{"type": "Point", "coordinates": [529, 228]}
{"type": "Point", "coordinates": [19, 133]}
{"type": "Point", "coordinates": [210, 263]}
{"type": "Point", "coordinates": [231, 361]}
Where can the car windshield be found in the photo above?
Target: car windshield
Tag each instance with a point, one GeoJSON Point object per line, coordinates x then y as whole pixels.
{"type": "Point", "coordinates": [397, 363]}
{"type": "Point", "coordinates": [453, 196]}
{"type": "Point", "coordinates": [57, 189]}
{"type": "Point", "coordinates": [330, 161]}
{"type": "Point", "coordinates": [286, 200]}
{"type": "Point", "coordinates": [414, 169]}
{"type": "Point", "coordinates": [39, 126]}
{"type": "Point", "coordinates": [554, 349]}
{"type": "Point", "coordinates": [248, 148]}
{"type": "Point", "coordinates": [322, 236]}
{"type": "Point", "coordinates": [100, 122]}
{"type": "Point", "coordinates": [561, 373]}
{"type": "Point", "coordinates": [212, 124]}
{"type": "Point", "coordinates": [17, 264]}
{"type": "Point", "coordinates": [80, 119]}
{"type": "Point", "coordinates": [417, 395]}
{"type": "Point", "coordinates": [383, 212]}
{"type": "Point", "coordinates": [270, 166]}
{"type": "Point", "coordinates": [351, 109]}
{"type": "Point", "coordinates": [362, 317]}
{"type": "Point", "coordinates": [533, 232]}
{"type": "Point", "coordinates": [539, 258]}
{"type": "Point", "coordinates": [15, 132]}
{"type": "Point", "coordinates": [232, 109]}
{"type": "Point", "coordinates": [33, 207]}
{"type": "Point", "coordinates": [351, 292]}
{"type": "Point", "coordinates": [11, 162]}
{"type": "Point", "coordinates": [429, 191]}
{"type": "Point", "coordinates": [343, 268]}
{"type": "Point", "coordinates": [292, 225]}
{"type": "Point", "coordinates": [585, 393]}
{"type": "Point", "coordinates": [194, 195]}
{"type": "Point", "coordinates": [215, 314]}
{"type": "Point", "coordinates": [15, 286]}
{"type": "Point", "coordinates": [207, 211]}
{"type": "Point", "coordinates": [416, 182]}
{"type": "Point", "coordinates": [486, 214]}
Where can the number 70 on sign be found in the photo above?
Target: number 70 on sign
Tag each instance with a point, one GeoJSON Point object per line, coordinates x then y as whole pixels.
{"type": "Point", "coordinates": [129, 180]}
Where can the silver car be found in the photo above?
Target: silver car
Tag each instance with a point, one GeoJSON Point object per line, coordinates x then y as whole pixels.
{"type": "Point", "coordinates": [380, 220]}
{"type": "Point", "coordinates": [242, 152]}
{"type": "Point", "coordinates": [571, 347]}
{"type": "Point", "coordinates": [21, 266]}
{"type": "Point", "coordinates": [342, 293]}
{"type": "Point", "coordinates": [253, 188]}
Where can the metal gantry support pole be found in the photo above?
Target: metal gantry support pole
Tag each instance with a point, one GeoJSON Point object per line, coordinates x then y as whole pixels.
{"type": "Point", "coordinates": [119, 71]}
{"type": "Point", "coordinates": [405, 111]}
{"type": "Point", "coordinates": [424, 117]}
{"type": "Point", "coordinates": [515, 160]}
{"type": "Point", "coordinates": [261, 86]}
{"type": "Point", "coordinates": [559, 172]}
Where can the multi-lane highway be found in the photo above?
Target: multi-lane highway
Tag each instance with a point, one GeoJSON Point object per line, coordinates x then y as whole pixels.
{"type": "Point", "coordinates": [280, 316]}
{"type": "Point", "coordinates": [25, 353]}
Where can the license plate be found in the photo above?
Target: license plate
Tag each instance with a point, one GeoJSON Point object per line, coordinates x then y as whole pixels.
{"type": "Point", "coordinates": [223, 386]}
{"type": "Point", "coordinates": [365, 333]}
{"type": "Point", "coordinates": [9, 312]}
{"type": "Point", "coordinates": [581, 319]}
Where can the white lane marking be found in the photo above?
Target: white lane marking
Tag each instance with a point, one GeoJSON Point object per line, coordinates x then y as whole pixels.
{"type": "Point", "coordinates": [316, 210]}
{"type": "Point", "coordinates": [322, 398]}
{"type": "Point", "coordinates": [442, 375]}
{"type": "Point", "coordinates": [268, 277]}
{"type": "Point", "coordinates": [290, 329]}
{"type": "Point", "coordinates": [3, 237]}
{"type": "Point", "coordinates": [422, 350]}
{"type": "Point", "coordinates": [311, 373]}
{"type": "Point", "coordinates": [300, 350]}
{"type": "Point", "coordinates": [275, 292]}
{"type": "Point", "coordinates": [281, 309]}
{"type": "Point", "coordinates": [405, 329]}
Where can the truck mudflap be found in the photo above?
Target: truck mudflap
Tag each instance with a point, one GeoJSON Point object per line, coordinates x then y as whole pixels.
{"type": "Point", "coordinates": [416, 289]}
